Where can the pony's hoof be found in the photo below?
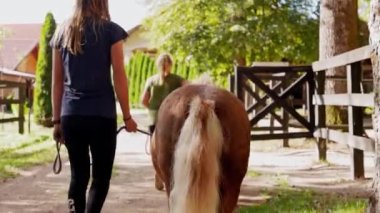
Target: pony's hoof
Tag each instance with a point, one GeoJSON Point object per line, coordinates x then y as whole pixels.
{"type": "Point", "coordinates": [159, 187]}
{"type": "Point", "coordinates": [158, 184]}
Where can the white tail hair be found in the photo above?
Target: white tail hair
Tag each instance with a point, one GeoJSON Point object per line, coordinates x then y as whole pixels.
{"type": "Point", "coordinates": [196, 168]}
{"type": "Point", "coordinates": [204, 78]}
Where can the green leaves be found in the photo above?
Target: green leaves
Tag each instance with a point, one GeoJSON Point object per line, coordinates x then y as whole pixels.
{"type": "Point", "coordinates": [42, 109]}
{"type": "Point", "coordinates": [215, 33]}
{"type": "Point", "coordinates": [141, 66]}
{"type": "Point", "coordinates": [238, 28]}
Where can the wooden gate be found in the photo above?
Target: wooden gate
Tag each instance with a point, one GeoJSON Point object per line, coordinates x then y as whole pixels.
{"type": "Point", "coordinates": [271, 90]}
{"type": "Point", "coordinates": [20, 101]}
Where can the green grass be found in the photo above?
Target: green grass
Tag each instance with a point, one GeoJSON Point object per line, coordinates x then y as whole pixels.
{"type": "Point", "coordinates": [252, 173]}
{"type": "Point", "coordinates": [38, 150]}
{"type": "Point", "coordinates": [19, 152]}
{"type": "Point", "coordinates": [291, 201]}
{"type": "Point", "coordinates": [282, 180]}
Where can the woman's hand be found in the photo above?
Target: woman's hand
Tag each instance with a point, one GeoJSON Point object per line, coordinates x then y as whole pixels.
{"type": "Point", "coordinates": [57, 134]}
{"type": "Point", "coordinates": [130, 125]}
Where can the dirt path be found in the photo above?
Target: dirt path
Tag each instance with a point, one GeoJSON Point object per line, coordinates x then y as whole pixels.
{"type": "Point", "coordinates": [132, 190]}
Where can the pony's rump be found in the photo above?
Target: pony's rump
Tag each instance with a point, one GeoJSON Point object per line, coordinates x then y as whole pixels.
{"type": "Point", "coordinates": [201, 148]}
{"type": "Point", "coordinates": [196, 161]}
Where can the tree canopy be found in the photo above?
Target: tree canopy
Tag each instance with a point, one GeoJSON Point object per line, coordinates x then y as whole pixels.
{"type": "Point", "coordinates": [213, 34]}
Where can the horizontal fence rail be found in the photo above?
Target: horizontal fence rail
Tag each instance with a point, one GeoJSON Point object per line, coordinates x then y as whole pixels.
{"type": "Point", "coordinates": [344, 59]}
{"type": "Point", "coordinates": [355, 100]}
{"type": "Point", "coordinates": [362, 143]}
{"type": "Point", "coordinates": [21, 87]}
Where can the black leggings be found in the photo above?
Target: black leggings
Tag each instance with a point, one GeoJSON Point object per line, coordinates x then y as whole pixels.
{"type": "Point", "coordinates": [84, 134]}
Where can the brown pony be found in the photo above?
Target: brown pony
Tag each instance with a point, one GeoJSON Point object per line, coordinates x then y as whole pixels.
{"type": "Point", "coordinates": [200, 149]}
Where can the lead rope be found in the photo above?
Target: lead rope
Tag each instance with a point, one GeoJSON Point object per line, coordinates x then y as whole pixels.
{"type": "Point", "coordinates": [57, 165]}
{"type": "Point", "coordinates": [143, 132]}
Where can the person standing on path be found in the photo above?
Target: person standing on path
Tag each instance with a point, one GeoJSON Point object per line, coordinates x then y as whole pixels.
{"type": "Point", "coordinates": [84, 106]}
{"type": "Point", "coordinates": [157, 87]}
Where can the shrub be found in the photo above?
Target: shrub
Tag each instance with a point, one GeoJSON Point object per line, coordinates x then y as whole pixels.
{"type": "Point", "coordinates": [42, 109]}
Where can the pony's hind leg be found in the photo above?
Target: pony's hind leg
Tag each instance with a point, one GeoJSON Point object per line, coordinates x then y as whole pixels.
{"type": "Point", "coordinates": [158, 183]}
{"type": "Point", "coordinates": [229, 197]}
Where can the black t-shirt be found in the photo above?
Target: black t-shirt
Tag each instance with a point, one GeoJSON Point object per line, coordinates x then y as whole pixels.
{"type": "Point", "coordinates": [88, 88]}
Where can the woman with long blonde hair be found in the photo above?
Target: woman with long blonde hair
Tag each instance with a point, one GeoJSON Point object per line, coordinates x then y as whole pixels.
{"type": "Point", "coordinates": [84, 106]}
{"type": "Point", "coordinates": [157, 87]}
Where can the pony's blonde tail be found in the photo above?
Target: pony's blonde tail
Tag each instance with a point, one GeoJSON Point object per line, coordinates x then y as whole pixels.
{"type": "Point", "coordinates": [196, 168]}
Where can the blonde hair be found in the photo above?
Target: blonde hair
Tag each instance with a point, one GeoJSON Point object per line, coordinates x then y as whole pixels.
{"type": "Point", "coordinates": [162, 58]}
{"type": "Point", "coordinates": [73, 30]}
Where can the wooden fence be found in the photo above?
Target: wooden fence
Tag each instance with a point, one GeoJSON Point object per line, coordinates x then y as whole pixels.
{"type": "Point", "coordinates": [271, 88]}
{"type": "Point", "coordinates": [359, 96]}
{"type": "Point", "coordinates": [20, 101]}
{"type": "Point", "coordinates": [24, 82]}
{"type": "Point", "coordinates": [355, 100]}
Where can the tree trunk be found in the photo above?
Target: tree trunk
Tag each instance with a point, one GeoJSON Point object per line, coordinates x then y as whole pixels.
{"type": "Point", "coordinates": [374, 28]}
{"type": "Point", "coordinates": [338, 34]}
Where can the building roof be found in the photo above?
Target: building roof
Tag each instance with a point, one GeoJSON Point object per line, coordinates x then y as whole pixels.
{"type": "Point", "coordinates": [134, 29]}
{"type": "Point", "coordinates": [16, 42]}
{"type": "Point", "coordinates": [14, 73]}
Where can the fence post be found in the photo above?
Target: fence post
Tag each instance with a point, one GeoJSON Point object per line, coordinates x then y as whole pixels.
{"type": "Point", "coordinates": [231, 81]}
{"type": "Point", "coordinates": [321, 115]}
{"type": "Point", "coordinates": [238, 84]}
{"type": "Point", "coordinates": [355, 119]}
{"type": "Point", "coordinates": [285, 114]}
{"type": "Point", "coordinates": [29, 99]}
{"type": "Point", "coordinates": [272, 82]}
{"type": "Point", "coordinates": [21, 103]}
{"type": "Point", "coordinates": [310, 88]}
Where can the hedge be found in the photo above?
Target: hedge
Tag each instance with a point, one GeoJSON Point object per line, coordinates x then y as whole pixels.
{"type": "Point", "coordinates": [141, 66]}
